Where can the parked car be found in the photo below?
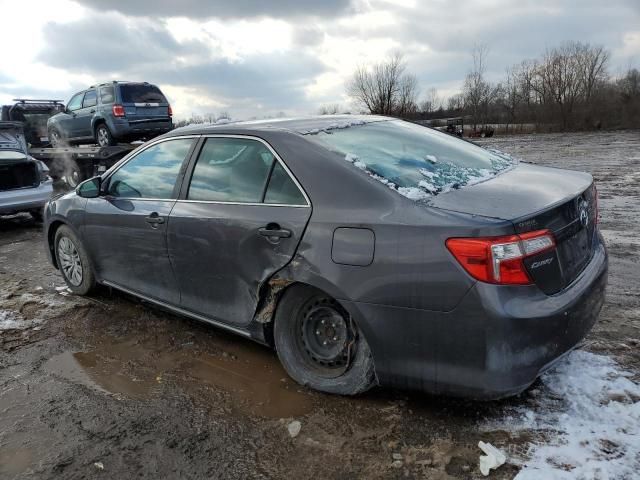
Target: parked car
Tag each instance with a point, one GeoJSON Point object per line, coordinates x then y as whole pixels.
{"type": "Point", "coordinates": [366, 250]}
{"type": "Point", "coordinates": [34, 115]}
{"type": "Point", "coordinates": [25, 185]}
{"type": "Point", "coordinates": [111, 112]}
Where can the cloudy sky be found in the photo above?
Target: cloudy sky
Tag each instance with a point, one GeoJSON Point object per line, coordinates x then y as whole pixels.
{"type": "Point", "coordinates": [261, 57]}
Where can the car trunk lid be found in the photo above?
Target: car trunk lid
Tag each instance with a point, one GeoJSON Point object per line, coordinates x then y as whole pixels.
{"type": "Point", "coordinates": [17, 170]}
{"type": "Point", "coordinates": [538, 198]}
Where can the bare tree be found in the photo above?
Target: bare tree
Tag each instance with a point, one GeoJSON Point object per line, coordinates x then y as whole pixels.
{"type": "Point", "coordinates": [331, 109]}
{"type": "Point", "coordinates": [455, 102]}
{"type": "Point", "coordinates": [561, 79]}
{"type": "Point", "coordinates": [432, 101]}
{"type": "Point", "coordinates": [592, 65]}
{"type": "Point", "coordinates": [384, 88]}
{"type": "Point", "coordinates": [478, 93]}
{"type": "Point", "coordinates": [406, 102]}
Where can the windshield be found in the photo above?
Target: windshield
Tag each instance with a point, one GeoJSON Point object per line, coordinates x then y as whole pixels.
{"type": "Point", "coordinates": [141, 93]}
{"type": "Point", "coordinates": [416, 161]}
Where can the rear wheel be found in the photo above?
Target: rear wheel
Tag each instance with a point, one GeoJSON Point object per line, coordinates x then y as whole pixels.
{"type": "Point", "coordinates": [319, 345]}
{"type": "Point", "coordinates": [103, 136]}
{"type": "Point", "coordinates": [73, 262]}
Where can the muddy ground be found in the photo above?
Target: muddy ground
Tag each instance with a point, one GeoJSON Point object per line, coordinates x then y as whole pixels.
{"type": "Point", "coordinates": [109, 387]}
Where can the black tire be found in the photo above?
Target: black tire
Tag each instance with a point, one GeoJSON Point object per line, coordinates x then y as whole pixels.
{"type": "Point", "coordinates": [73, 175]}
{"type": "Point", "coordinates": [349, 372]}
{"type": "Point", "coordinates": [55, 138]}
{"type": "Point", "coordinates": [87, 281]}
{"type": "Point", "coordinates": [103, 136]}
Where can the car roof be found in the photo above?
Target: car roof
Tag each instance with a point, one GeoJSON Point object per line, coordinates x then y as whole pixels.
{"type": "Point", "coordinates": [302, 125]}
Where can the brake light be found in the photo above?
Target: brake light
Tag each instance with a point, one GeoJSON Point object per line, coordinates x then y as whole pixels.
{"type": "Point", "coordinates": [170, 111]}
{"type": "Point", "coordinates": [118, 110]}
{"type": "Point", "coordinates": [499, 260]}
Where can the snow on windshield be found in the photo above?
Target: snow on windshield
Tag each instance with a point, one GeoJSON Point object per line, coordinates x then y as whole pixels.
{"type": "Point", "coordinates": [416, 161]}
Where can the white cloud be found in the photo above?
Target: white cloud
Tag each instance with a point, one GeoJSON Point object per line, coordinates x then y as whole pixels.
{"type": "Point", "coordinates": [284, 55]}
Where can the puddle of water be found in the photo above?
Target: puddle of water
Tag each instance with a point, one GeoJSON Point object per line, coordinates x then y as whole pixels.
{"type": "Point", "coordinates": [15, 461]}
{"type": "Point", "coordinates": [249, 372]}
{"type": "Point", "coordinates": [256, 380]}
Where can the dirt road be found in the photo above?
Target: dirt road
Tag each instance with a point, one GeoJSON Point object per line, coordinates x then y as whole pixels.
{"type": "Point", "coordinates": [109, 387]}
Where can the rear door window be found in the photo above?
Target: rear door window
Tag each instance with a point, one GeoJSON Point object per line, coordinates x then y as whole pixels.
{"type": "Point", "coordinates": [90, 99]}
{"type": "Point", "coordinates": [153, 172]}
{"type": "Point", "coordinates": [282, 189]}
{"type": "Point", "coordinates": [106, 94]}
{"type": "Point", "coordinates": [141, 93]}
{"type": "Point", "coordinates": [231, 170]}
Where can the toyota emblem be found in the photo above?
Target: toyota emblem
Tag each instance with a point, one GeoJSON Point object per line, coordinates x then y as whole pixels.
{"type": "Point", "coordinates": [584, 214]}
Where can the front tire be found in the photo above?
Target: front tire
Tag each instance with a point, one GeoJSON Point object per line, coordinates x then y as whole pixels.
{"type": "Point", "coordinates": [55, 138]}
{"type": "Point", "coordinates": [73, 262]}
{"type": "Point", "coordinates": [103, 136]}
{"type": "Point", "coordinates": [72, 173]}
{"type": "Point", "coordinates": [319, 345]}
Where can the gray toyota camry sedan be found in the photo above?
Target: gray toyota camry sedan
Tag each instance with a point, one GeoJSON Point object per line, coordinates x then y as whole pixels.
{"type": "Point", "coordinates": [364, 250]}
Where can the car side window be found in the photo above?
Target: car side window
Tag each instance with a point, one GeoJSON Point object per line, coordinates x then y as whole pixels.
{"type": "Point", "coordinates": [153, 172]}
{"type": "Point", "coordinates": [231, 170]}
{"type": "Point", "coordinates": [76, 102]}
{"type": "Point", "coordinates": [90, 99]}
{"type": "Point", "coordinates": [106, 94]}
{"type": "Point", "coordinates": [282, 189]}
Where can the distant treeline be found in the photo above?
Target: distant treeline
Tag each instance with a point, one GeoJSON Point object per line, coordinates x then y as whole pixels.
{"type": "Point", "coordinates": [568, 88]}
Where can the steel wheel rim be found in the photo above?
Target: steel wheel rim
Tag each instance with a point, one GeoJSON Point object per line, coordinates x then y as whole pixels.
{"type": "Point", "coordinates": [55, 138]}
{"type": "Point", "coordinates": [70, 262]}
{"type": "Point", "coordinates": [326, 338]}
{"type": "Point", "coordinates": [73, 179]}
{"type": "Point", "coordinates": [103, 137]}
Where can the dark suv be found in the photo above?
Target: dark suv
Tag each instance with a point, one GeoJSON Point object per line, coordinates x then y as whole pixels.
{"type": "Point", "coordinates": [112, 112]}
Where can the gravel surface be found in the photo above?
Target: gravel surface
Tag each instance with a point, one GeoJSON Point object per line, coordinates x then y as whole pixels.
{"type": "Point", "coordinates": [109, 387]}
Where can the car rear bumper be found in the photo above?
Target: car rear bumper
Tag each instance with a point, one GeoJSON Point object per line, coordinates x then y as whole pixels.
{"type": "Point", "coordinates": [124, 128]}
{"type": "Point", "coordinates": [24, 199]}
{"type": "Point", "coordinates": [494, 344]}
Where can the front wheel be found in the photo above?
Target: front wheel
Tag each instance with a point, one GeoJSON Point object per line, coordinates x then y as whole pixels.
{"type": "Point", "coordinates": [72, 173]}
{"type": "Point", "coordinates": [55, 138]}
{"type": "Point", "coordinates": [319, 345]}
{"type": "Point", "coordinates": [73, 262]}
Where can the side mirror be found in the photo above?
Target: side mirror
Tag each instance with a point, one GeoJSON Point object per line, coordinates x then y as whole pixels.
{"type": "Point", "coordinates": [90, 188]}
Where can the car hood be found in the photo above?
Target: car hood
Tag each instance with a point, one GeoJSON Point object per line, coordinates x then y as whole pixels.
{"type": "Point", "coordinates": [12, 137]}
{"type": "Point", "coordinates": [519, 192]}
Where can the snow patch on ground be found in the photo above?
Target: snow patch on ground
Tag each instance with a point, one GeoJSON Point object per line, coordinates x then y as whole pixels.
{"type": "Point", "coordinates": [589, 414]}
{"type": "Point", "coordinates": [11, 321]}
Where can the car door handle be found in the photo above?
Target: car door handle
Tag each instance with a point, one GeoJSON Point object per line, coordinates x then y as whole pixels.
{"type": "Point", "coordinates": [154, 219]}
{"type": "Point", "coordinates": [274, 230]}
{"type": "Point", "coordinates": [92, 111]}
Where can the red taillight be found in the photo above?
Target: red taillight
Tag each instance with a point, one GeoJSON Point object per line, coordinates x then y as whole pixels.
{"type": "Point", "coordinates": [118, 110]}
{"type": "Point", "coordinates": [170, 111]}
{"type": "Point", "coordinates": [500, 259]}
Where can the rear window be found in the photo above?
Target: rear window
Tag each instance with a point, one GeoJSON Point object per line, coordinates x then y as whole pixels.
{"type": "Point", "coordinates": [417, 161]}
{"type": "Point", "coordinates": [141, 93]}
